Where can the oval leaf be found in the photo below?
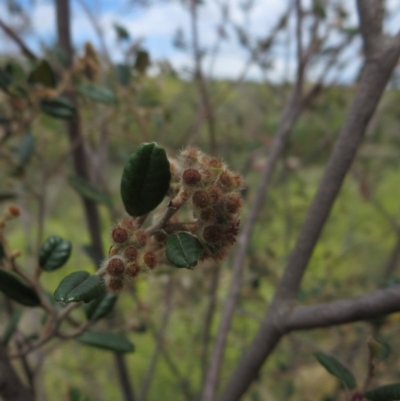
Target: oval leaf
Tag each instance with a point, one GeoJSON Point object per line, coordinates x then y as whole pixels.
{"type": "Point", "coordinates": [26, 149]}
{"type": "Point", "coordinates": [98, 93]}
{"type": "Point", "coordinates": [89, 191]}
{"type": "Point", "coordinates": [184, 250]}
{"type": "Point", "coordinates": [145, 179]}
{"type": "Point", "coordinates": [12, 326]}
{"type": "Point", "coordinates": [54, 253]}
{"type": "Point", "coordinates": [98, 308]}
{"type": "Point", "coordinates": [43, 74]}
{"type": "Point", "coordinates": [121, 31]}
{"type": "Point", "coordinates": [334, 367]}
{"type": "Point", "coordinates": [390, 392]}
{"type": "Point", "coordinates": [59, 107]}
{"type": "Point", "coordinates": [14, 289]}
{"type": "Point", "coordinates": [79, 286]}
{"type": "Point", "coordinates": [106, 340]}
{"type": "Point", "coordinates": [123, 72]}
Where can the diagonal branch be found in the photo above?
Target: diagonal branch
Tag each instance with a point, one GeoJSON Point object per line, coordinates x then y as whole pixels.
{"type": "Point", "coordinates": [365, 307]}
{"type": "Point", "coordinates": [20, 43]}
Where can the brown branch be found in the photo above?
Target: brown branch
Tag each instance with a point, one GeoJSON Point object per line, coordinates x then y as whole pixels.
{"type": "Point", "coordinates": [11, 388]}
{"type": "Point", "coordinates": [354, 309]}
{"type": "Point", "coordinates": [378, 67]}
{"type": "Point", "coordinates": [20, 43]}
{"type": "Point", "coordinates": [81, 168]}
{"type": "Point", "coordinates": [159, 342]}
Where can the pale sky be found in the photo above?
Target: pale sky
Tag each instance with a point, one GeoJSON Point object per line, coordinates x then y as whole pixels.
{"type": "Point", "coordinates": [158, 24]}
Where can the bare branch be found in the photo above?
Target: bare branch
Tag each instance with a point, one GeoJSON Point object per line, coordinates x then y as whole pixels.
{"type": "Point", "coordinates": [11, 388]}
{"type": "Point", "coordinates": [365, 307]}
{"type": "Point", "coordinates": [371, 14]}
{"type": "Point", "coordinates": [20, 43]}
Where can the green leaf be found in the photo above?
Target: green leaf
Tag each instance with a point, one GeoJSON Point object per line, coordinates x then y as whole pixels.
{"type": "Point", "coordinates": [26, 149]}
{"type": "Point", "coordinates": [98, 308]}
{"type": "Point", "coordinates": [98, 93]}
{"type": "Point", "coordinates": [334, 367]}
{"type": "Point", "coordinates": [123, 73]}
{"type": "Point", "coordinates": [59, 107]}
{"type": "Point", "coordinates": [390, 392]}
{"type": "Point", "coordinates": [106, 340]}
{"type": "Point", "coordinates": [145, 179]}
{"type": "Point", "coordinates": [43, 74]}
{"type": "Point", "coordinates": [79, 286]}
{"type": "Point", "coordinates": [2, 253]}
{"type": "Point", "coordinates": [122, 33]}
{"type": "Point", "coordinates": [184, 250]}
{"type": "Point", "coordinates": [142, 61]}
{"type": "Point", "coordinates": [14, 289]}
{"type": "Point", "coordinates": [11, 326]}
{"type": "Point", "coordinates": [54, 253]}
{"type": "Point", "coordinates": [88, 190]}
{"type": "Point", "coordinates": [75, 394]}
{"type": "Point", "coordinates": [15, 72]}
{"type": "Point", "coordinates": [5, 80]}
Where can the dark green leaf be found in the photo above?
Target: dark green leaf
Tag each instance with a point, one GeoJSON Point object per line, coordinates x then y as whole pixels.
{"type": "Point", "coordinates": [183, 250]}
{"type": "Point", "coordinates": [319, 9]}
{"type": "Point", "coordinates": [98, 93]}
{"type": "Point", "coordinates": [334, 367]}
{"type": "Point", "coordinates": [11, 326]}
{"type": "Point", "coordinates": [5, 80]}
{"type": "Point", "coordinates": [2, 253]}
{"type": "Point", "coordinates": [98, 308]}
{"type": "Point", "coordinates": [390, 392]}
{"type": "Point", "coordinates": [14, 289]}
{"type": "Point", "coordinates": [142, 61]}
{"type": "Point", "coordinates": [43, 74]}
{"type": "Point", "coordinates": [59, 107]}
{"type": "Point", "coordinates": [123, 73]}
{"type": "Point", "coordinates": [122, 33]}
{"type": "Point", "coordinates": [15, 72]}
{"type": "Point", "coordinates": [79, 286]}
{"type": "Point", "coordinates": [106, 340]}
{"type": "Point", "coordinates": [54, 253]}
{"type": "Point", "coordinates": [75, 394]}
{"type": "Point", "coordinates": [26, 149]}
{"type": "Point", "coordinates": [145, 179]}
{"type": "Point", "coordinates": [88, 190]}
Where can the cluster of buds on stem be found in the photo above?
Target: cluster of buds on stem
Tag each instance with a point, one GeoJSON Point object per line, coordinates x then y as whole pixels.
{"type": "Point", "coordinates": [212, 192]}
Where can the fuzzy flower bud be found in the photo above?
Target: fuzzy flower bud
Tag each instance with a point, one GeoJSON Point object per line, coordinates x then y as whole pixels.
{"type": "Point", "coordinates": [132, 269]}
{"type": "Point", "coordinates": [150, 259]}
{"type": "Point", "coordinates": [119, 235]}
{"type": "Point", "coordinates": [116, 266]}
{"type": "Point", "coordinates": [114, 284]}
{"type": "Point", "coordinates": [131, 253]}
{"type": "Point", "coordinates": [201, 199]}
{"type": "Point", "coordinates": [212, 234]}
{"type": "Point", "coordinates": [140, 239]}
{"type": "Point", "coordinates": [191, 177]}
{"type": "Point", "coordinates": [233, 203]}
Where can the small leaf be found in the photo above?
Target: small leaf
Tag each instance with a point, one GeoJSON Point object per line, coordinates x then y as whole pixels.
{"type": "Point", "coordinates": [12, 326]}
{"type": "Point", "coordinates": [106, 340]}
{"type": "Point", "coordinates": [88, 190]}
{"type": "Point", "coordinates": [79, 286]}
{"type": "Point", "coordinates": [5, 80]}
{"type": "Point", "coordinates": [26, 149]}
{"type": "Point", "coordinates": [98, 93]}
{"type": "Point", "coordinates": [59, 107]}
{"type": "Point", "coordinates": [54, 253]}
{"type": "Point", "coordinates": [142, 61]}
{"type": "Point", "coordinates": [98, 308]}
{"type": "Point", "coordinates": [145, 179]}
{"type": "Point", "coordinates": [334, 367]}
{"type": "Point", "coordinates": [123, 73]}
{"type": "Point", "coordinates": [43, 74]}
{"type": "Point", "coordinates": [14, 289]}
{"type": "Point", "coordinates": [75, 394]}
{"type": "Point", "coordinates": [184, 250]}
{"type": "Point", "coordinates": [2, 253]}
{"type": "Point", "coordinates": [390, 392]}
{"type": "Point", "coordinates": [122, 33]}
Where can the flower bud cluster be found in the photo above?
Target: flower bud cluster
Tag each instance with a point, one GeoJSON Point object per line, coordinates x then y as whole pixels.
{"type": "Point", "coordinates": [214, 194]}
{"type": "Point", "coordinates": [131, 253]}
